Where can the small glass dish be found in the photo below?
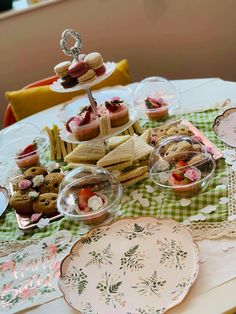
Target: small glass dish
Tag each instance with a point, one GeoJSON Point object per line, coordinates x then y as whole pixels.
{"type": "Point", "coordinates": [164, 145]}
{"type": "Point", "coordinates": [157, 98]}
{"type": "Point", "coordinates": [20, 138]}
{"type": "Point", "coordinates": [185, 173]}
{"type": "Point", "coordinates": [101, 183]}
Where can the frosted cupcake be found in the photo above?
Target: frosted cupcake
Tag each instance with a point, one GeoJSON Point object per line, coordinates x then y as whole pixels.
{"type": "Point", "coordinates": [157, 109]}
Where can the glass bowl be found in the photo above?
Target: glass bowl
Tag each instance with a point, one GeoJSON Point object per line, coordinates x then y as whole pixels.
{"type": "Point", "coordinates": [23, 143]}
{"type": "Point", "coordinates": [186, 173]}
{"type": "Point", "coordinates": [101, 184]}
{"type": "Point", "coordinates": [164, 145]}
{"type": "Point", "coordinates": [157, 98]}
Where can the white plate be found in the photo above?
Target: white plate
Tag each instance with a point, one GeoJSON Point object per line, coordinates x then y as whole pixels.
{"type": "Point", "coordinates": [58, 88]}
{"type": "Point", "coordinates": [225, 127]}
{"type": "Point", "coordinates": [133, 266]}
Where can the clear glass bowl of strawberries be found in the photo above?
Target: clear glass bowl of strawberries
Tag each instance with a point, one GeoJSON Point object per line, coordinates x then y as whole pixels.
{"type": "Point", "coordinates": [23, 143]}
{"type": "Point", "coordinates": [91, 195]}
{"type": "Point", "coordinates": [185, 173]}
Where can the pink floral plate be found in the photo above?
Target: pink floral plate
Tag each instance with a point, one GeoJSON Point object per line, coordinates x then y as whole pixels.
{"type": "Point", "coordinates": [132, 266]}
{"type": "Point", "coordinates": [225, 127]}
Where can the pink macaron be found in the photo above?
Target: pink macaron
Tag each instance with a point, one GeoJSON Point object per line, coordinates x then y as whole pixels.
{"type": "Point", "coordinates": [101, 70]}
{"type": "Point", "coordinates": [78, 68]}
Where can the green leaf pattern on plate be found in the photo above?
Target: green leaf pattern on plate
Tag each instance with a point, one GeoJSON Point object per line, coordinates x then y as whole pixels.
{"type": "Point", "coordinates": [181, 287]}
{"type": "Point", "coordinates": [109, 288]}
{"type": "Point", "coordinates": [101, 257]}
{"type": "Point", "coordinates": [172, 253]}
{"type": "Point", "coordinates": [151, 285]}
{"type": "Point", "coordinates": [140, 231]}
{"type": "Point", "coordinates": [147, 310]}
{"type": "Point", "coordinates": [76, 279]}
{"type": "Point", "coordinates": [132, 259]}
{"type": "Point", "coordinates": [94, 236]}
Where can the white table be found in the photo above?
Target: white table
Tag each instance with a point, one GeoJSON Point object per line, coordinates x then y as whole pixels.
{"type": "Point", "coordinates": [196, 94]}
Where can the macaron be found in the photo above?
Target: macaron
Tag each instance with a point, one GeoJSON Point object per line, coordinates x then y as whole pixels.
{"type": "Point", "coordinates": [61, 69]}
{"type": "Point", "coordinates": [68, 81]}
{"type": "Point", "coordinates": [87, 77]}
{"type": "Point", "coordinates": [78, 68]}
{"type": "Point", "coordinates": [94, 60]}
{"type": "Point", "coordinates": [100, 71]}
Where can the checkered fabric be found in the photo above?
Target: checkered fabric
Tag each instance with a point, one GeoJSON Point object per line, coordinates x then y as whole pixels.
{"type": "Point", "coordinates": [168, 206]}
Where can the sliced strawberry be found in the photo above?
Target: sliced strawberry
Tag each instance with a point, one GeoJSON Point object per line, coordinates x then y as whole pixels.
{"type": "Point", "coordinates": [83, 197]}
{"type": "Point", "coordinates": [67, 124]}
{"type": "Point", "coordinates": [178, 175]}
{"type": "Point", "coordinates": [85, 119]}
{"type": "Point", "coordinates": [111, 106]}
{"type": "Point", "coordinates": [181, 164]}
{"type": "Point", "coordinates": [29, 150]}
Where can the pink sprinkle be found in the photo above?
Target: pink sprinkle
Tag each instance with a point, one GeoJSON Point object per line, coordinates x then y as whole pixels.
{"type": "Point", "coordinates": [115, 99]}
{"type": "Point", "coordinates": [196, 138]}
{"type": "Point", "coordinates": [209, 149]}
{"type": "Point", "coordinates": [24, 184]}
{"type": "Point", "coordinates": [36, 217]}
{"type": "Point", "coordinates": [193, 174]}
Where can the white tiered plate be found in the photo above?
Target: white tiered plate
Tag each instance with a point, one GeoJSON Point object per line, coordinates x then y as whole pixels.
{"type": "Point", "coordinates": [143, 265]}
{"type": "Point", "coordinates": [57, 87]}
{"type": "Point", "coordinates": [73, 107]}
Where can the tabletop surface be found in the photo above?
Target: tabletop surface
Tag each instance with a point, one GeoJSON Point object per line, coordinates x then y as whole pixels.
{"type": "Point", "coordinates": [199, 94]}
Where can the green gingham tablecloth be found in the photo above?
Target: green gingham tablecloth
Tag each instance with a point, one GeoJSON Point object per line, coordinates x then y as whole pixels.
{"type": "Point", "coordinates": [165, 205]}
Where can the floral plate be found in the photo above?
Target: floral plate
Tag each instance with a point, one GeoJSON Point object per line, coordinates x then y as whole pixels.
{"type": "Point", "coordinates": [132, 266]}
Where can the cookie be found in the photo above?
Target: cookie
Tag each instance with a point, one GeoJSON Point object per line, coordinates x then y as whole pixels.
{"type": "Point", "coordinates": [195, 160]}
{"type": "Point", "coordinates": [34, 171]}
{"type": "Point", "coordinates": [46, 204]}
{"type": "Point", "coordinates": [51, 183]}
{"type": "Point", "coordinates": [22, 203]}
{"type": "Point", "coordinates": [175, 151]}
{"type": "Point", "coordinates": [161, 131]}
{"type": "Point", "coordinates": [196, 147]}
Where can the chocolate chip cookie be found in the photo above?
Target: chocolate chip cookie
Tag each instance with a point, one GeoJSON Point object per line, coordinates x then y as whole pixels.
{"type": "Point", "coordinates": [34, 171]}
{"type": "Point", "coordinates": [51, 183]}
{"type": "Point", "coordinates": [46, 204]}
{"type": "Point", "coordinates": [22, 203]}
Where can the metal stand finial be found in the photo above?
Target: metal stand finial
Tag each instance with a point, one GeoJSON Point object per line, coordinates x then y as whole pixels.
{"type": "Point", "coordinates": [71, 51]}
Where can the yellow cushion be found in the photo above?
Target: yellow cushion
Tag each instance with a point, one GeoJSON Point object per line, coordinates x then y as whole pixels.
{"type": "Point", "coordinates": [26, 102]}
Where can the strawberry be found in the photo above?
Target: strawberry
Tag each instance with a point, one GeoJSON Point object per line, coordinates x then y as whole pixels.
{"type": "Point", "coordinates": [181, 164]}
{"type": "Point", "coordinates": [111, 106]}
{"type": "Point", "coordinates": [29, 150]}
{"type": "Point", "coordinates": [152, 103]}
{"type": "Point", "coordinates": [86, 118]}
{"type": "Point", "coordinates": [178, 175]}
{"type": "Point", "coordinates": [83, 197]}
{"type": "Point", "coordinates": [67, 124]}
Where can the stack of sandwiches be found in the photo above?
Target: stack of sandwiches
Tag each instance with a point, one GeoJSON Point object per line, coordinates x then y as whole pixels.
{"type": "Point", "coordinates": [128, 162]}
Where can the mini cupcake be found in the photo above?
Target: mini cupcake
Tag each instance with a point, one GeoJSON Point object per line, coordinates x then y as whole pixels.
{"type": "Point", "coordinates": [116, 110]}
{"type": "Point", "coordinates": [28, 157]}
{"type": "Point", "coordinates": [84, 126]}
{"type": "Point", "coordinates": [157, 109]}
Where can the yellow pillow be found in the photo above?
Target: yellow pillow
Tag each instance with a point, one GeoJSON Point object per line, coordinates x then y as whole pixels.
{"type": "Point", "coordinates": [26, 102]}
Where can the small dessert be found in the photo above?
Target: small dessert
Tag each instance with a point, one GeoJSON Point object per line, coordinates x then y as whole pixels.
{"type": "Point", "coordinates": [22, 202]}
{"type": "Point", "coordinates": [78, 68]}
{"type": "Point", "coordinates": [61, 70]}
{"type": "Point", "coordinates": [116, 110]}
{"type": "Point", "coordinates": [87, 77]}
{"type": "Point", "coordinates": [176, 151]}
{"type": "Point", "coordinates": [28, 157]}
{"type": "Point", "coordinates": [46, 204]}
{"type": "Point", "coordinates": [84, 126]}
{"type": "Point", "coordinates": [157, 109]}
{"type": "Point", "coordinates": [51, 183]}
{"type": "Point", "coordinates": [33, 172]}
{"type": "Point", "coordinates": [88, 201]}
{"type": "Point", "coordinates": [183, 177]}
{"type": "Point", "coordinates": [95, 62]}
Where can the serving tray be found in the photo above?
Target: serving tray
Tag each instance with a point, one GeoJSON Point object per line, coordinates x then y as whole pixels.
{"type": "Point", "coordinates": [132, 266]}
{"type": "Point", "coordinates": [24, 222]}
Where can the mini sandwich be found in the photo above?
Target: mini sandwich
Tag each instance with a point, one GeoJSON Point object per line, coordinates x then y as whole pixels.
{"type": "Point", "coordinates": [116, 141]}
{"type": "Point", "coordinates": [86, 153]}
{"type": "Point", "coordinates": [121, 156]}
{"type": "Point", "coordinates": [131, 177]}
{"type": "Point", "coordinates": [146, 136]}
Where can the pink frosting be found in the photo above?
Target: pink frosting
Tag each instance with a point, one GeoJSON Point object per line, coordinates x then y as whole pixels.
{"type": "Point", "coordinates": [24, 184]}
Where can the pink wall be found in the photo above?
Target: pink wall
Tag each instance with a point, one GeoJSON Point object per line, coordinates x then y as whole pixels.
{"type": "Point", "coordinates": [174, 39]}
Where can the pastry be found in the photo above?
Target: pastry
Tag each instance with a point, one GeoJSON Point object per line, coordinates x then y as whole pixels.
{"type": "Point", "coordinates": [46, 204]}
{"type": "Point", "coordinates": [94, 60]}
{"type": "Point", "coordinates": [100, 71]}
{"type": "Point", "coordinates": [179, 130]}
{"type": "Point", "coordinates": [68, 81]}
{"type": "Point", "coordinates": [116, 110]}
{"type": "Point", "coordinates": [177, 150]}
{"type": "Point", "coordinates": [84, 126]}
{"type": "Point", "coordinates": [51, 183]}
{"type": "Point", "coordinates": [28, 157]}
{"type": "Point", "coordinates": [78, 68]}
{"type": "Point", "coordinates": [87, 77]}
{"type": "Point", "coordinates": [22, 202]}
{"type": "Point", "coordinates": [61, 69]}
{"type": "Point", "coordinates": [157, 109]}
{"type": "Point", "coordinates": [34, 171]}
